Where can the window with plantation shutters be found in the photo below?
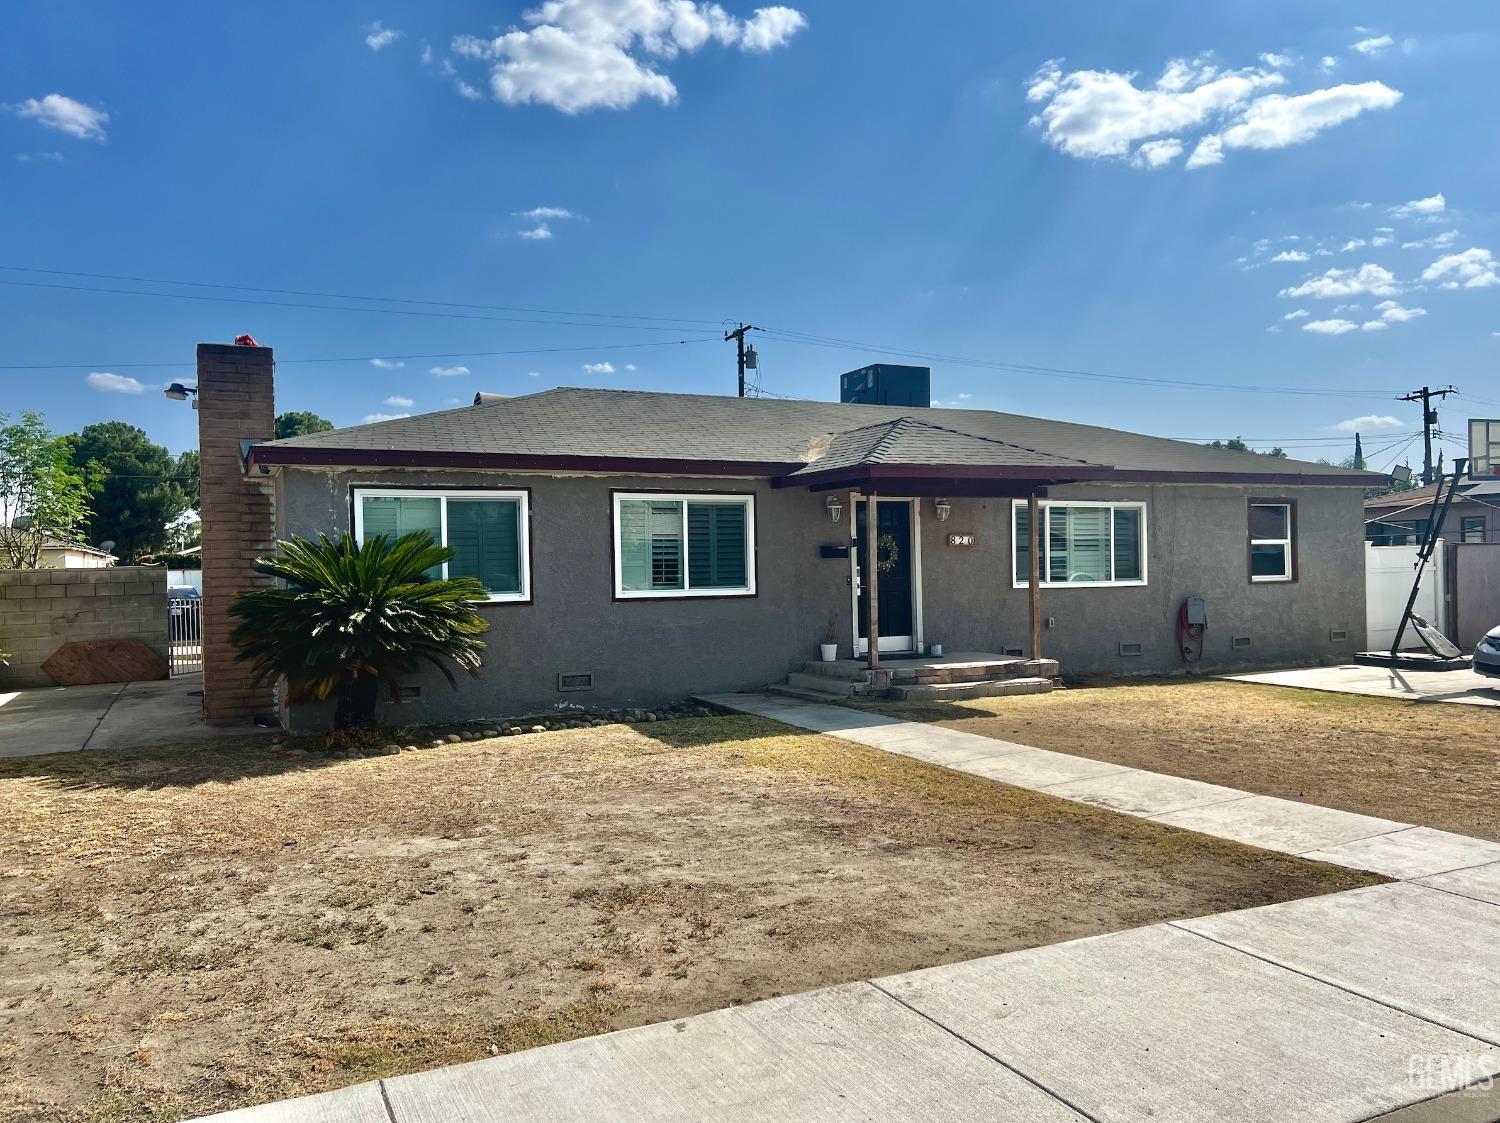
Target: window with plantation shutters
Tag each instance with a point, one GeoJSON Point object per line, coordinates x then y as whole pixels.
{"type": "Point", "coordinates": [1082, 544]}
{"type": "Point", "coordinates": [487, 530]}
{"type": "Point", "coordinates": [683, 545]}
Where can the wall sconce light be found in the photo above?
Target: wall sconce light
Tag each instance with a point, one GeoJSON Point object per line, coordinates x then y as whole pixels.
{"type": "Point", "coordinates": [835, 507]}
{"type": "Point", "coordinates": [944, 509]}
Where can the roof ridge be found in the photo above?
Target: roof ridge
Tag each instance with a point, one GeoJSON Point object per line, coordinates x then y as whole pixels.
{"type": "Point", "coordinates": [994, 440]}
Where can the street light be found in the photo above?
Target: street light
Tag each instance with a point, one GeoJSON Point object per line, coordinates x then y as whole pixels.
{"type": "Point", "coordinates": [178, 392]}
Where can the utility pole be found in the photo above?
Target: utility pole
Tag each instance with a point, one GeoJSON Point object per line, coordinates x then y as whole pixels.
{"type": "Point", "coordinates": [1429, 422]}
{"type": "Point", "coordinates": [738, 335]}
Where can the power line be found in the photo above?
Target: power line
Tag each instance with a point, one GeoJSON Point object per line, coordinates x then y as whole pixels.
{"type": "Point", "coordinates": [809, 340]}
{"type": "Point", "coordinates": [350, 296]}
{"type": "Point", "coordinates": [370, 358]}
{"type": "Point", "coordinates": [330, 307]}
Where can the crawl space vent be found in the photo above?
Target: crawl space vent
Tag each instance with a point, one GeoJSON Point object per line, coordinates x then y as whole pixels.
{"type": "Point", "coordinates": [408, 693]}
{"type": "Point", "coordinates": [1131, 649]}
{"type": "Point", "coordinates": [576, 680]}
{"type": "Point", "coordinates": [1338, 635]}
{"type": "Point", "coordinates": [1013, 652]}
{"type": "Point", "coordinates": [1240, 642]}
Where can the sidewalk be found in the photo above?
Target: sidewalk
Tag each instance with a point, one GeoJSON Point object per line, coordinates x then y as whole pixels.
{"type": "Point", "coordinates": [1335, 1009]}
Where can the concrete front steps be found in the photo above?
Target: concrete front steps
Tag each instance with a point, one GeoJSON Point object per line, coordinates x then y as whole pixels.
{"type": "Point", "coordinates": [944, 677]}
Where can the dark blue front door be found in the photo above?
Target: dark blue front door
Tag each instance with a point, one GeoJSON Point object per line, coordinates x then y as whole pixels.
{"type": "Point", "coordinates": [893, 541]}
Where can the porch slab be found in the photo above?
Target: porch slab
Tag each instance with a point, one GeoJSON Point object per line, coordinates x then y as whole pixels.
{"type": "Point", "coordinates": [1279, 824]}
{"type": "Point", "coordinates": [1391, 943]}
{"type": "Point", "coordinates": [1414, 852]}
{"type": "Point", "coordinates": [1108, 1023]}
{"type": "Point", "coordinates": [1482, 883]}
{"type": "Point", "coordinates": [848, 1052]}
{"type": "Point", "coordinates": [1145, 793]}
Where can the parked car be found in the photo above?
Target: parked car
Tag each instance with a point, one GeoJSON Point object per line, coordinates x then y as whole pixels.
{"type": "Point", "coordinates": [184, 621]}
{"type": "Point", "coordinates": [1487, 654]}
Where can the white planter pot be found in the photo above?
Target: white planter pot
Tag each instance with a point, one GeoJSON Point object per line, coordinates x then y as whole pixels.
{"type": "Point", "coordinates": [829, 651]}
{"type": "Point", "coordinates": [935, 649]}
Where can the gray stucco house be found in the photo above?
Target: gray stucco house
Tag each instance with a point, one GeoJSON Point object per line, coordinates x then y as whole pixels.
{"type": "Point", "coordinates": [640, 547]}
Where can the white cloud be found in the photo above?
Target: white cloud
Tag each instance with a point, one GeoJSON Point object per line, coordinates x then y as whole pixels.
{"type": "Point", "coordinates": [544, 214]}
{"type": "Point", "coordinates": [1291, 255]}
{"type": "Point", "coordinates": [380, 37]}
{"type": "Point", "coordinates": [1328, 63]}
{"type": "Point", "coordinates": [629, 366]}
{"type": "Point", "coordinates": [1299, 314]}
{"type": "Point", "coordinates": [426, 54]}
{"type": "Point", "coordinates": [1374, 325]}
{"type": "Point", "coordinates": [370, 418]}
{"type": "Point", "coordinates": [1157, 153]}
{"type": "Point", "coordinates": [39, 157]}
{"type": "Point", "coordinates": [448, 372]}
{"type": "Point", "coordinates": [599, 368]}
{"type": "Point", "coordinates": [399, 402]}
{"type": "Point", "coordinates": [1381, 240]}
{"type": "Point", "coordinates": [1353, 244]}
{"type": "Point", "coordinates": [575, 55]}
{"type": "Point", "coordinates": [538, 233]}
{"type": "Point", "coordinates": [1422, 208]}
{"type": "Point", "coordinates": [1277, 120]}
{"type": "Point", "coordinates": [60, 112]}
{"type": "Point", "coordinates": [1376, 45]}
{"type": "Point", "coordinates": [1330, 327]}
{"type": "Point", "coordinates": [1275, 60]}
{"type": "Point", "coordinates": [387, 364]}
{"type": "Point", "coordinates": [533, 374]}
{"type": "Point", "coordinates": [1093, 114]}
{"type": "Point", "coordinates": [770, 28]}
{"type": "Point", "coordinates": [1393, 313]}
{"type": "Point", "coordinates": [1473, 269]}
{"type": "Point", "coordinates": [114, 383]}
{"type": "Point", "coordinates": [1367, 422]}
{"type": "Point", "coordinates": [1437, 241]}
{"type": "Point", "coordinates": [1372, 280]}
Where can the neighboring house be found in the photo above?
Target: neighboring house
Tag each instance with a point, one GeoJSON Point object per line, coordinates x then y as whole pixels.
{"type": "Point", "coordinates": [639, 547]}
{"type": "Point", "coordinates": [59, 553]}
{"type": "Point", "coordinates": [1401, 518]}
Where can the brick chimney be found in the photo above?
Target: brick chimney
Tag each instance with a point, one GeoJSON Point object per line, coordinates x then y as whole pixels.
{"type": "Point", "coordinates": [236, 403]}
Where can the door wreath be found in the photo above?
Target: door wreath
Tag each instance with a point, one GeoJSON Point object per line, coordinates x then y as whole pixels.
{"type": "Point", "coordinates": [887, 553]}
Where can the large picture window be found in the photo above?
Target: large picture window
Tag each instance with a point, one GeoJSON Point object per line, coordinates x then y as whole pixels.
{"type": "Point", "coordinates": [1273, 529]}
{"type": "Point", "coordinates": [684, 545]}
{"type": "Point", "coordinates": [1082, 543]}
{"type": "Point", "coordinates": [488, 531]}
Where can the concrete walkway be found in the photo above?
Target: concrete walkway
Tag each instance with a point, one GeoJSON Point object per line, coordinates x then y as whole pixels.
{"type": "Point", "coordinates": [113, 715]}
{"type": "Point", "coordinates": [1464, 687]}
{"type": "Point", "coordinates": [1377, 1003]}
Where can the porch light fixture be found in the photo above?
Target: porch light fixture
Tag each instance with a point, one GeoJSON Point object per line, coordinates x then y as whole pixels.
{"type": "Point", "coordinates": [944, 509]}
{"type": "Point", "coordinates": [835, 507]}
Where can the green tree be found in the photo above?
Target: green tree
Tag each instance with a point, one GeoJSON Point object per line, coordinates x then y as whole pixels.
{"type": "Point", "coordinates": [41, 493]}
{"type": "Point", "coordinates": [187, 469]}
{"type": "Point", "coordinates": [1235, 444]}
{"type": "Point", "coordinates": [299, 423]}
{"type": "Point", "coordinates": [353, 616]}
{"type": "Point", "coordinates": [135, 494]}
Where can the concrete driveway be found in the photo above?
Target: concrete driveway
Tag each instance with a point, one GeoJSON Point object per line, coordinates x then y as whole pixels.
{"type": "Point", "coordinates": [115, 715]}
{"type": "Point", "coordinates": [1464, 687]}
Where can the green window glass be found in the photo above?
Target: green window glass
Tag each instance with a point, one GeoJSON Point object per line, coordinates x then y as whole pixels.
{"type": "Point", "coordinates": [650, 545]}
{"type": "Point", "coordinates": [394, 516]}
{"type": "Point", "coordinates": [486, 539]}
{"type": "Point", "coordinates": [1127, 547]}
{"type": "Point", "coordinates": [716, 545]}
{"type": "Point", "coordinates": [1023, 544]}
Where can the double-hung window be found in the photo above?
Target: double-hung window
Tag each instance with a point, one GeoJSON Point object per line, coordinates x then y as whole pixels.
{"type": "Point", "coordinates": [1273, 531]}
{"type": "Point", "coordinates": [1471, 528]}
{"type": "Point", "coordinates": [1082, 543]}
{"type": "Point", "coordinates": [488, 531]}
{"type": "Point", "coordinates": [694, 544]}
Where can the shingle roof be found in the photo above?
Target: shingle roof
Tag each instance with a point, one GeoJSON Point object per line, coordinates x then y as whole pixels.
{"type": "Point", "coordinates": [1478, 489]}
{"type": "Point", "coordinates": [910, 441]}
{"type": "Point", "coordinates": [634, 425]}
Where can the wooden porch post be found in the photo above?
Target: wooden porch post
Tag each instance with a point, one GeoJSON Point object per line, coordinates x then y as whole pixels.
{"type": "Point", "coordinates": [1033, 509]}
{"type": "Point", "coordinates": [872, 583]}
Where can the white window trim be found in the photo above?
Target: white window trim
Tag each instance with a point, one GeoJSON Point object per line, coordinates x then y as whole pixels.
{"type": "Point", "coordinates": [684, 497]}
{"type": "Point", "coordinates": [1285, 543]}
{"type": "Point", "coordinates": [523, 523]}
{"type": "Point", "coordinates": [1043, 540]}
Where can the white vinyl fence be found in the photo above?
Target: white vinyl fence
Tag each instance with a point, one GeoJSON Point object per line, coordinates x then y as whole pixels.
{"type": "Point", "coordinates": [1389, 571]}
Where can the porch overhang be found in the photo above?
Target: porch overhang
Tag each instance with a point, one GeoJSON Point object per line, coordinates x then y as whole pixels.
{"type": "Point", "coordinates": [987, 481]}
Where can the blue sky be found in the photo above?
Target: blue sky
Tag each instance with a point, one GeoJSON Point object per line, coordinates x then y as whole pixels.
{"type": "Point", "coordinates": [1094, 187]}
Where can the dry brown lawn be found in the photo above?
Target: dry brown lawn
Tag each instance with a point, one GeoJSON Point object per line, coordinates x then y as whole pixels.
{"type": "Point", "coordinates": [1436, 765]}
{"type": "Point", "coordinates": [187, 930]}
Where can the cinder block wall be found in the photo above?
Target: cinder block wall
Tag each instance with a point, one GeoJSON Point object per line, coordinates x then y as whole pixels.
{"type": "Point", "coordinates": [42, 609]}
{"type": "Point", "coordinates": [236, 402]}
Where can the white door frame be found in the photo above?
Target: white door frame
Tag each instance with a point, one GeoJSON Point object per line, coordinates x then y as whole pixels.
{"type": "Point", "coordinates": [892, 644]}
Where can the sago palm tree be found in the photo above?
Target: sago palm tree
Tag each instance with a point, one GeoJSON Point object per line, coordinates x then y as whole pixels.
{"type": "Point", "coordinates": [353, 616]}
